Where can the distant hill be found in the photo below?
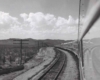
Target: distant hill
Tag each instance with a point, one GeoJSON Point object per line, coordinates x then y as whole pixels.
{"type": "Point", "coordinates": [53, 42]}
{"type": "Point", "coordinates": [12, 42]}
{"type": "Point", "coordinates": [91, 42]}
{"type": "Point", "coordinates": [95, 41]}
{"type": "Point", "coordinates": [31, 42]}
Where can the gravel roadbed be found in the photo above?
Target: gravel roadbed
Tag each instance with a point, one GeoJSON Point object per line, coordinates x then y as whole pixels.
{"type": "Point", "coordinates": [27, 75]}
{"type": "Point", "coordinates": [71, 71]}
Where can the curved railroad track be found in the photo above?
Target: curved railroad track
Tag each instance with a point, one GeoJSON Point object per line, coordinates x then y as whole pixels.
{"type": "Point", "coordinates": [56, 70]}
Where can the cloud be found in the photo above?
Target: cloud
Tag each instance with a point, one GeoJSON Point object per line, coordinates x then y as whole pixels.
{"type": "Point", "coordinates": [42, 26]}
{"type": "Point", "coordinates": [61, 21]}
{"type": "Point", "coordinates": [24, 16]}
{"type": "Point", "coordinates": [6, 21]}
{"type": "Point", "coordinates": [39, 21]}
{"type": "Point", "coordinates": [39, 26]}
{"type": "Point", "coordinates": [71, 21]}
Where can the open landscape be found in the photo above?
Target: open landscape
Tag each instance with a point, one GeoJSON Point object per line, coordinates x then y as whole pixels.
{"type": "Point", "coordinates": [36, 55]}
{"type": "Point", "coordinates": [49, 39]}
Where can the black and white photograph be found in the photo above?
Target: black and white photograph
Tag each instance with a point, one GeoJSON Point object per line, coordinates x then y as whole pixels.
{"type": "Point", "coordinates": [49, 39]}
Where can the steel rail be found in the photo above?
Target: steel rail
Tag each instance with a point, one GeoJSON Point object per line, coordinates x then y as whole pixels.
{"type": "Point", "coordinates": [53, 74]}
{"type": "Point", "coordinates": [52, 63]}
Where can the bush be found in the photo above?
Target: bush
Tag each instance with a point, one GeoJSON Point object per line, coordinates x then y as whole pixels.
{"type": "Point", "coordinates": [8, 70]}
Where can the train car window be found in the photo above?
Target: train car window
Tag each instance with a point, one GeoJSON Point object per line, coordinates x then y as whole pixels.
{"type": "Point", "coordinates": [90, 36]}
{"type": "Point", "coordinates": [91, 52]}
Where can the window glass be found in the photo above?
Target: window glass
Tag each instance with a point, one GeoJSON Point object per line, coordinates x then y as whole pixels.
{"type": "Point", "coordinates": [91, 49]}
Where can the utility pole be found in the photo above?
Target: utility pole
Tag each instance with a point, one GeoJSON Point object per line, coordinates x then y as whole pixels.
{"type": "Point", "coordinates": [38, 45]}
{"type": "Point", "coordinates": [21, 47]}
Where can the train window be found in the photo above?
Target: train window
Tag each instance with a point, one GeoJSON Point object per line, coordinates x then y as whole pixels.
{"type": "Point", "coordinates": [91, 52]}
{"type": "Point", "coordinates": [90, 46]}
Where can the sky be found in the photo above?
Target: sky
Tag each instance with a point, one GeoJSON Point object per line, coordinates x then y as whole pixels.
{"type": "Point", "coordinates": [39, 19]}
